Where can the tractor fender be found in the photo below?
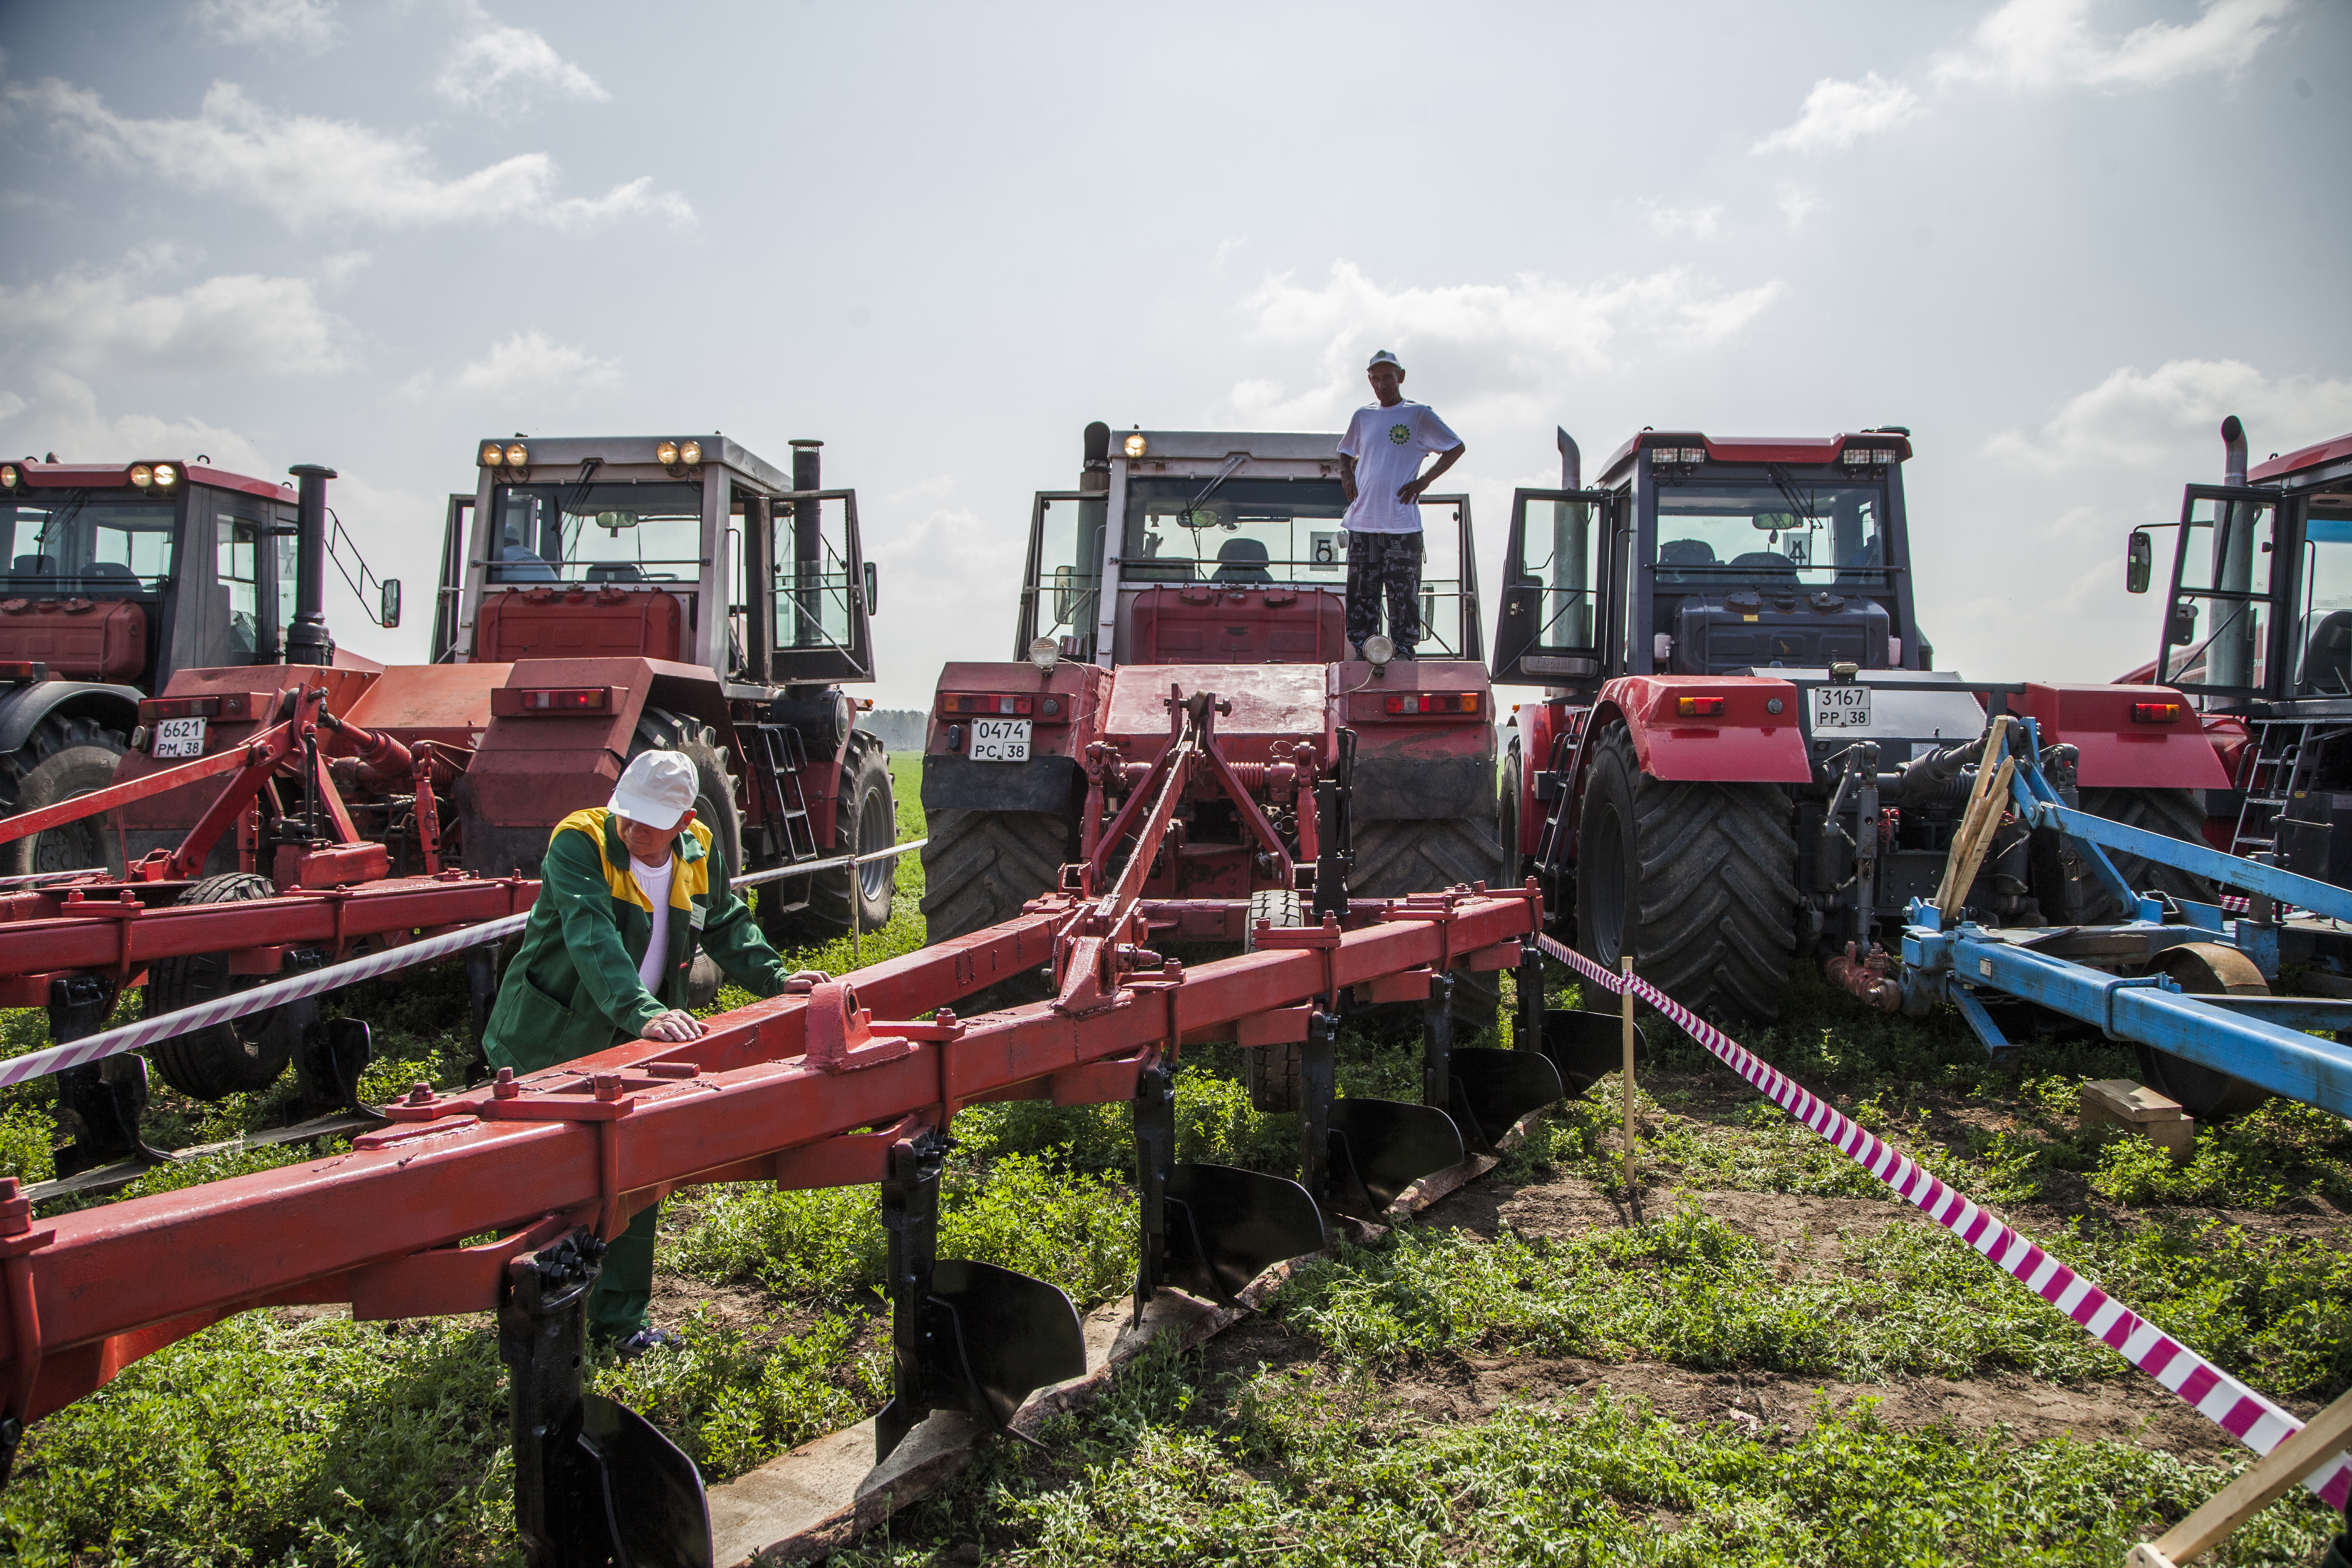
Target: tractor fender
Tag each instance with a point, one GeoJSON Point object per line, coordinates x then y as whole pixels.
{"type": "Point", "coordinates": [2115, 750]}
{"type": "Point", "coordinates": [1744, 742]}
{"type": "Point", "coordinates": [23, 708]}
{"type": "Point", "coordinates": [1540, 724]}
{"type": "Point", "coordinates": [1055, 785]}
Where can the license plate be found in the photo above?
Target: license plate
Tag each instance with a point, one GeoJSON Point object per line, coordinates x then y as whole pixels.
{"type": "Point", "coordinates": [1000, 740]}
{"type": "Point", "coordinates": [179, 738]}
{"type": "Point", "coordinates": [1841, 706]}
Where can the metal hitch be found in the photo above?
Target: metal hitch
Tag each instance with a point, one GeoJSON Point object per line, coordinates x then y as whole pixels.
{"type": "Point", "coordinates": [1587, 1047]}
{"type": "Point", "coordinates": [1209, 1229]}
{"type": "Point", "coordinates": [1493, 1088]}
{"type": "Point", "coordinates": [963, 1335]}
{"type": "Point", "coordinates": [1380, 1147]}
{"type": "Point", "coordinates": [595, 1483]}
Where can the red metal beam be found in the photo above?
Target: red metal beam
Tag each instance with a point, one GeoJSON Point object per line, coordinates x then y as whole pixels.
{"type": "Point", "coordinates": [262, 750]}
{"type": "Point", "coordinates": [597, 1139]}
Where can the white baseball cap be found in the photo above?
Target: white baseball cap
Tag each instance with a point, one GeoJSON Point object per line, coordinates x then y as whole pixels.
{"type": "Point", "coordinates": [657, 789]}
{"type": "Point", "coordinates": [1384, 357]}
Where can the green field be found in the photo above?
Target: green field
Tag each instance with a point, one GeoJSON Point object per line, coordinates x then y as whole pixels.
{"type": "Point", "coordinates": [1753, 1356]}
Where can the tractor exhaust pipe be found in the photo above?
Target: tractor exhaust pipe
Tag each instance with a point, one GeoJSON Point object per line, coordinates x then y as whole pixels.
{"type": "Point", "coordinates": [1094, 476]}
{"type": "Point", "coordinates": [1571, 461]}
{"type": "Point", "coordinates": [308, 641]}
{"type": "Point", "coordinates": [2234, 451]}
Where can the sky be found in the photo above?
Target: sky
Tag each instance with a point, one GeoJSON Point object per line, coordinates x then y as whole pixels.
{"type": "Point", "coordinates": [2059, 240]}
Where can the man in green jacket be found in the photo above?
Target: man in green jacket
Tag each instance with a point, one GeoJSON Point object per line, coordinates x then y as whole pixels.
{"type": "Point", "coordinates": [628, 894]}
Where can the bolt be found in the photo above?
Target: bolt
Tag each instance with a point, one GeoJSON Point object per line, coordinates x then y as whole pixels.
{"type": "Point", "coordinates": [608, 1085]}
{"type": "Point", "coordinates": [504, 1086]}
{"type": "Point", "coordinates": [420, 1093]}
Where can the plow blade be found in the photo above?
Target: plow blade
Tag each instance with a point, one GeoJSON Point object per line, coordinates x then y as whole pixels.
{"type": "Point", "coordinates": [1585, 1047]}
{"type": "Point", "coordinates": [992, 1337]}
{"type": "Point", "coordinates": [1380, 1147]}
{"type": "Point", "coordinates": [644, 1493]}
{"type": "Point", "coordinates": [1495, 1087]}
{"type": "Point", "coordinates": [1227, 1226]}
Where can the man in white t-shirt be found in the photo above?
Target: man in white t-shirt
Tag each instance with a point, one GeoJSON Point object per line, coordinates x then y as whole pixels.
{"type": "Point", "coordinates": [1379, 471]}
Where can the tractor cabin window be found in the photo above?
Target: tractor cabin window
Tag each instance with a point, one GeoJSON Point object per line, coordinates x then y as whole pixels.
{"type": "Point", "coordinates": [1556, 558]}
{"type": "Point", "coordinates": [1763, 535]}
{"type": "Point", "coordinates": [2218, 637]}
{"type": "Point", "coordinates": [2324, 638]}
{"type": "Point", "coordinates": [239, 550]}
{"type": "Point", "coordinates": [614, 534]}
{"type": "Point", "coordinates": [813, 606]}
{"type": "Point", "coordinates": [1067, 547]}
{"type": "Point", "coordinates": [72, 544]}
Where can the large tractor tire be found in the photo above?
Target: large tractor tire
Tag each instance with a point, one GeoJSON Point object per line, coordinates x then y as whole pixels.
{"type": "Point", "coordinates": [1697, 881]}
{"type": "Point", "coordinates": [865, 818]}
{"type": "Point", "coordinates": [1271, 1073]}
{"type": "Point", "coordinates": [2176, 813]}
{"type": "Point", "coordinates": [240, 1057]}
{"type": "Point", "coordinates": [1399, 856]}
{"type": "Point", "coordinates": [2208, 1094]}
{"type": "Point", "coordinates": [1506, 820]}
{"type": "Point", "coordinates": [978, 868]}
{"type": "Point", "coordinates": [63, 757]}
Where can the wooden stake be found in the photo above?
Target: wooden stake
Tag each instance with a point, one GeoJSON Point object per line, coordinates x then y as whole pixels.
{"type": "Point", "coordinates": [1978, 822]}
{"type": "Point", "coordinates": [2250, 1493]}
{"type": "Point", "coordinates": [1626, 1076]}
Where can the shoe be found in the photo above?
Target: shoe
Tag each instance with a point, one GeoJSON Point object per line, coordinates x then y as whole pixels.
{"type": "Point", "coordinates": [643, 1340]}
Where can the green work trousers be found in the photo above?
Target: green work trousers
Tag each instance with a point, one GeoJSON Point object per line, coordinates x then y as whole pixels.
{"type": "Point", "coordinates": [623, 1300]}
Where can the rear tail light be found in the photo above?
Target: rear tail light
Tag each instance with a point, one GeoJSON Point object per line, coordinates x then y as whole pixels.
{"type": "Point", "coordinates": [1436, 702]}
{"type": "Point", "coordinates": [23, 670]}
{"type": "Point", "coordinates": [153, 708]}
{"type": "Point", "coordinates": [999, 705]}
{"type": "Point", "coordinates": [567, 700]}
{"type": "Point", "coordinates": [2155, 712]}
{"type": "Point", "coordinates": [1699, 706]}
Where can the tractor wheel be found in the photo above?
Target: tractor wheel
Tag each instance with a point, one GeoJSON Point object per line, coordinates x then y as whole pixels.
{"type": "Point", "coordinates": [2176, 813]}
{"type": "Point", "coordinates": [979, 867]}
{"type": "Point", "coordinates": [1271, 1073]}
{"type": "Point", "coordinates": [2205, 969]}
{"type": "Point", "coordinates": [865, 818]}
{"type": "Point", "coordinates": [1507, 821]}
{"type": "Point", "coordinates": [1697, 881]}
{"type": "Point", "coordinates": [62, 758]}
{"type": "Point", "coordinates": [1399, 857]}
{"type": "Point", "coordinates": [241, 1056]}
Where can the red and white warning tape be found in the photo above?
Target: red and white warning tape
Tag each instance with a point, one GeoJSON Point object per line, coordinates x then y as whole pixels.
{"type": "Point", "coordinates": [2219, 1397]}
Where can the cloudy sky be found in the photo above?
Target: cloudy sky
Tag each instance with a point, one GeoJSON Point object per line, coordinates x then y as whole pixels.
{"type": "Point", "coordinates": [2059, 239]}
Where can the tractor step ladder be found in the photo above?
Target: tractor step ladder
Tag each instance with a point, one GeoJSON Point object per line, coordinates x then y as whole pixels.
{"type": "Point", "coordinates": [779, 759]}
{"type": "Point", "coordinates": [2283, 752]}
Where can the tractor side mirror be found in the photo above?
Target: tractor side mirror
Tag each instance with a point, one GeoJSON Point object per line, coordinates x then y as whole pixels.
{"type": "Point", "coordinates": [2139, 561]}
{"type": "Point", "coordinates": [873, 588]}
{"type": "Point", "coordinates": [389, 615]}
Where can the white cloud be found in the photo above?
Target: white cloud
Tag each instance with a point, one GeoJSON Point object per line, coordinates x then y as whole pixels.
{"type": "Point", "coordinates": [62, 417]}
{"type": "Point", "coordinates": [93, 321]}
{"type": "Point", "coordinates": [306, 170]}
{"type": "Point", "coordinates": [1799, 203]}
{"type": "Point", "coordinates": [533, 361]}
{"type": "Point", "coordinates": [2136, 420]}
{"type": "Point", "coordinates": [494, 60]}
{"type": "Point", "coordinates": [925, 490]}
{"type": "Point", "coordinates": [1488, 343]}
{"type": "Point", "coordinates": [1836, 113]}
{"type": "Point", "coordinates": [2045, 44]}
{"type": "Point", "coordinates": [309, 23]}
{"type": "Point", "coordinates": [1698, 222]}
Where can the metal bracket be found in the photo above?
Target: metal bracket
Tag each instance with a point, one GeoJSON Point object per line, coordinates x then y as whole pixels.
{"type": "Point", "coordinates": [107, 1096]}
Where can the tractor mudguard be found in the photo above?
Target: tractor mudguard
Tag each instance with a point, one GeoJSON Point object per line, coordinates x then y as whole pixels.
{"type": "Point", "coordinates": [22, 708]}
{"type": "Point", "coordinates": [2115, 750]}
{"type": "Point", "coordinates": [1409, 786]}
{"type": "Point", "coordinates": [1050, 785]}
{"type": "Point", "coordinates": [1744, 742]}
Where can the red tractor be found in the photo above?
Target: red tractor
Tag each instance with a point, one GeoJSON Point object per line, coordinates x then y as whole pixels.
{"type": "Point", "coordinates": [117, 575]}
{"type": "Point", "coordinates": [599, 597]}
{"type": "Point", "coordinates": [1209, 561]}
{"type": "Point", "coordinates": [1744, 755]}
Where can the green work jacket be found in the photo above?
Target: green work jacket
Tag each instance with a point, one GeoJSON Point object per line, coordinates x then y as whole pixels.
{"type": "Point", "coordinates": [572, 989]}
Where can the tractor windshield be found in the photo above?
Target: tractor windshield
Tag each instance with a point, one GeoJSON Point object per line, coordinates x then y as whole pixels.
{"type": "Point", "coordinates": [2326, 633]}
{"type": "Point", "coordinates": [1242, 531]}
{"type": "Point", "coordinates": [1770, 533]}
{"type": "Point", "coordinates": [86, 544]}
{"type": "Point", "coordinates": [614, 532]}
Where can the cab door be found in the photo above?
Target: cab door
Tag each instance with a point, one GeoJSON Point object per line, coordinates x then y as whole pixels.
{"type": "Point", "coordinates": [2221, 635]}
{"type": "Point", "coordinates": [1548, 627]}
{"type": "Point", "coordinates": [449, 589]}
{"type": "Point", "coordinates": [1061, 587]}
{"type": "Point", "coordinates": [823, 592]}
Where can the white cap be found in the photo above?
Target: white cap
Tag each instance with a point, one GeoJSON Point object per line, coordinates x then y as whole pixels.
{"type": "Point", "coordinates": [657, 789]}
{"type": "Point", "coordinates": [1384, 357]}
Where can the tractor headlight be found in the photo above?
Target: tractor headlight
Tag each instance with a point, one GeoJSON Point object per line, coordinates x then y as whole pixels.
{"type": "Point", "coordinates": [518, 455]}
{"type": "Point", "coordinates": [142, 475]}
{"type": "Point", "coordinates": [492, 454]}
{"type": "Point", "coordinates": [166, 476]}
{"type": "Point", "coordinates": [689, 453]}
{"type": "Point", "coordinates": [1135, 444]}
{"type": "Point", "coordinates": [1379, 650]}
{"type": "Point", "coordinates": [665, 453]}
{"type": "Point", "coordinates": [1045, 653]}
{"type": "Point", "coordinates": [7, 476]}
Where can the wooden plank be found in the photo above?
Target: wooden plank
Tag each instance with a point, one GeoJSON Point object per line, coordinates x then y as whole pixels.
{"type": "Point", "coordinates": [2261, 1485]}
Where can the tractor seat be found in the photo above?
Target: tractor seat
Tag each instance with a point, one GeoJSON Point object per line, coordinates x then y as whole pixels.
{"type": "Point", "coordinates": [1674, 552]}
{"type": "Point", "coordinates": [520, 563]}
{"type": "Point", "coordinates": [616, 572]}
{"type": "Point", "coordinates": [34, 566]}
{"type": "Point", "coordinates": [1241, 560]}
{"type": "Point", "coordinates": [1765, 563]}
{"type": "Point", "coordinates": [110, 574]}
{"type": "Point", "coordinates": [2328, 657]}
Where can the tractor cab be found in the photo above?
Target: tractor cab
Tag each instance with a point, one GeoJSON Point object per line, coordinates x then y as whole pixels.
{"type": "Point", "coordinates": [1228, 550]}
{"type": "Point", "coordinates": [686, 549]}
{"type": "Point", "coordinates": [1712, 557]}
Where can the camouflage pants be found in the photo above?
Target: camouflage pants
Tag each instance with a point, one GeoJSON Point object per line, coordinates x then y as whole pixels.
{"type": "Point", "coordinates": [1384, 564]}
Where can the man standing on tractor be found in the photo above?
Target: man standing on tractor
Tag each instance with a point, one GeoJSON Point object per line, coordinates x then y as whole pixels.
{"type": "Point", "coordinates": [627, 895]}
{"type": "Point", "coordinates": [1379, 472]}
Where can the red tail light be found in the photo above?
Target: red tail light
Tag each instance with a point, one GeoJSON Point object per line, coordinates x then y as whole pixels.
{"type": "Point", "coordinates": [2155, 712]}
{"type": "Point", "coordinates": [997, 705]}
{"type": "Point", "coordinates": [566, 699]}
{"type": "Point", "coordinates": [1699, 706]}
{"type": "Point", "coordinates": [1435, 702]}
{"type": "Point", "coordinates": [23, 670]}
{"type": "Point", "coordinates": [153, 708]}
